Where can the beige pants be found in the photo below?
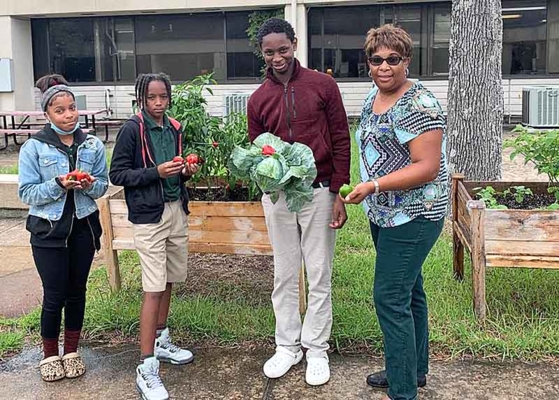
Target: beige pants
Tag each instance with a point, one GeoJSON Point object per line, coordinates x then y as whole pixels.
{"type": "Point", "coordinates": [163, 248]}
{"type": "Point", "coordinates": [297, 237]}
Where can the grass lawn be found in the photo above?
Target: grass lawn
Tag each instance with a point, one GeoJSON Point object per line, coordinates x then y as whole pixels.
{"type": "Point", "coordinates": [523, 306]}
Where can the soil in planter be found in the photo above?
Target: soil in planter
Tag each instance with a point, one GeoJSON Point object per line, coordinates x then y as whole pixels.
{"type": "Point", "coordinates": [220, 194]}
{"type": "Point", "coordinates": [533, 202]}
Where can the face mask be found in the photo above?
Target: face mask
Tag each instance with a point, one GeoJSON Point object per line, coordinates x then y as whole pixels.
{"type": "Point", "coordinates": [61, 132]}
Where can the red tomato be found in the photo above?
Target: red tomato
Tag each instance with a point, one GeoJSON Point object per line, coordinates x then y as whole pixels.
{"type": "Point", "coordinates": [268, 150]}
{"type": "Point", "coordinates": [192, 159]}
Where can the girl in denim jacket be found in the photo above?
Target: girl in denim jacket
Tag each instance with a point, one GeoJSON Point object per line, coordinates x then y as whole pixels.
{"type": "Point", "coordinates": [63, 220]}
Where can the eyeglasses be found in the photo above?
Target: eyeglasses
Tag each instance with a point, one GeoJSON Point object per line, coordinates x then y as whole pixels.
{"type": "Point", "coordinates": [390, 60]}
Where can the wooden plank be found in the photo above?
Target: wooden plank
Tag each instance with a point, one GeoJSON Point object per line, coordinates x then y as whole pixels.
{"type": "Point", "coordinates": [457, 242]}
{"type": "Point", "coordinates": [198, 208]}
{"type": "Point", "coordinates": [233, 237]}
{"type": "Point", "coordinates": [210, 223]}
{"type": "Point", "coordinates": [226, 208]}
{"type": "Point", "coordinates": [111, 256]}
{"type": "Point", "coordinates": [207, 247]}
{"type": "Point", "coordinates": [478, 258]}
{"type": "Point", "coordinates": [224, 224]}
{"type": "Point", "coordinates": [521, 225]}
{"type": "Point", "coordinates": [495, 260]}
{"type": "Point", "coordinates": [117, 194]}
{"type": "Point", "coordinates": [521, 248]}
{"type": "Point", "coordinates": [118, 206]}
{"type": "Point", "coordinates": [458, 257]}
{"type": "Point", "coordinates": [123, 232]}
{"type": "Point", "coordinates": [463, 195]}
{"type": "Point", "coordinates": [465, 221]}
{"type": "Point", "coordinates": [196, 235]}
{"type": "Point", "coordinates": [456, 180]}
{"type": "Point", "coordinates": [123, 244]}
{"type": "Point", "coordinates": [463, 213]}
{"type": "Point", "coordinates": [228, 248]}
{"type": "Point", "coordinates": [464, 235]}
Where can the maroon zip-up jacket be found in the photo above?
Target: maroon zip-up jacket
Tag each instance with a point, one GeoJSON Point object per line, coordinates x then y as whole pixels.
{"type": "Point", "coordinates": [309, 110]}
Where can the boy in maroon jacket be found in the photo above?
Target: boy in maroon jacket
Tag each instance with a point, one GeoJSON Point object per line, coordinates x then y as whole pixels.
{"type": "Point", "coordinates": [301, 105]}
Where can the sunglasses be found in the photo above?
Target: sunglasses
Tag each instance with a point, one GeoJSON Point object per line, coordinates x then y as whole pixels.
{"type": "Point", "coordinates": [390, 60]}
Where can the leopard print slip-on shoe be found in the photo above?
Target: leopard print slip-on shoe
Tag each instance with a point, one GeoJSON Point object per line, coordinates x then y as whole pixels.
{"type": "Point", "coordinates": [73, 365]}
{"type": "Point", "coordinates": [52, 369]}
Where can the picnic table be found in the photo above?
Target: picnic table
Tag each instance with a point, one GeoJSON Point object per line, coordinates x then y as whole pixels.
{"type": "Point", "coordinates": [17, 123]}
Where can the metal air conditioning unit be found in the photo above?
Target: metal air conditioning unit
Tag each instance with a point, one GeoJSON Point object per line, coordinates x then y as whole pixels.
{"type": "Point", "coordinates": [235, 103]}
{"type": "Point", "coordinates": [540, 106]}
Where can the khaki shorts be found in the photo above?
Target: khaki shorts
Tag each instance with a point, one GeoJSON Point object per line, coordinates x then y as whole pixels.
{"type": "Point", "coordinates": [163, 248]}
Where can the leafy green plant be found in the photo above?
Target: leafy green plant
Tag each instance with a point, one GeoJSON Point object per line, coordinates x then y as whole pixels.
{"type": "Point", "coordinates": [540, 148]}
{"type": "Point", "coordinates": [555, 191]}
{"type": "Point", "coordinates": [209, 137]}
{"type": "Point", "coordinates": [487, 195]}
{"type": "Point", "coordinates": [518, 192]}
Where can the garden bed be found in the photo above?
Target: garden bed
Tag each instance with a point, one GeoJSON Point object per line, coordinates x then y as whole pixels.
{"type": "Point", "coordinates": [513, 238]}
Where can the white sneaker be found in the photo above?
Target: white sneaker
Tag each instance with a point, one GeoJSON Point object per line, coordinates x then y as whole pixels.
{"type": "Point", "coordinates": [318, 371]}
{"type": "Point", "coordinates": [167, 352]}
{"type": "Point", "coordinates": [148, 381]}
{"type": "Point", "coordinates": [281, 362]}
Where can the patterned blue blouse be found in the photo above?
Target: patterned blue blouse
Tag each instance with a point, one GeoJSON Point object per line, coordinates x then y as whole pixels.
{"type": "Point", "coordinates": [383, 148]}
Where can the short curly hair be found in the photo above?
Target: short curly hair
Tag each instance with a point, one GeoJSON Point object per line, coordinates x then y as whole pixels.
{"type": "Point", "coordinates": [390, 37]}
{"type": "Point", "coordinates": [275, 25]}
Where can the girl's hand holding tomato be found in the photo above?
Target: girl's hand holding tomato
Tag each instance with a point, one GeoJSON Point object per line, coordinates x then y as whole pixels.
{"type": "Point", "coordinates": [76, 180]}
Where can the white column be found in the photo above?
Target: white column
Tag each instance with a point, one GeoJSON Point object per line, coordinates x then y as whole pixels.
{"type": "Point", "coordinates": [303, 40]}
{"type": "Point", "coordinates": [16, 44]}
{"type": "Point", "coordinates": [298, 20]}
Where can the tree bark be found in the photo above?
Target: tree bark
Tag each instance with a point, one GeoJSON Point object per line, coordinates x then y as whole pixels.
{"type": "Point", "coordinates": [475, 91]}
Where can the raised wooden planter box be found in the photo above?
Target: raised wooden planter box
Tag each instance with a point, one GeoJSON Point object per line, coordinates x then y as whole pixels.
{"type": "Point", "coordinates": [213, 227]}
{"type": "Point", "coordinates": [500, 238]}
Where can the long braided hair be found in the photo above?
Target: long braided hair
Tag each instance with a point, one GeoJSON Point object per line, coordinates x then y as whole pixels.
{"type": "Point", "coordinates": [142, 84]}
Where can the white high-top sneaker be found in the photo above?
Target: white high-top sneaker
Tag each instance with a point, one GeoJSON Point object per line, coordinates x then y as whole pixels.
{"type": "Point", "coordinates": [167, 352]}
{"type": "Point", "coordinates": [148, 381]}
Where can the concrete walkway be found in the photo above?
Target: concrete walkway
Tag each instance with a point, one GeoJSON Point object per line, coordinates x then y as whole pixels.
{"type": "Point", "coordinates": [236, 374]}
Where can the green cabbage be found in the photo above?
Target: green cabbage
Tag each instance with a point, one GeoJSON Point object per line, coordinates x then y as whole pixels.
{"type": "Point", "coordinates": [290, 169]}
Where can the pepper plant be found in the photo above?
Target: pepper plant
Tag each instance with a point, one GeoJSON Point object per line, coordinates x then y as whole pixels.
{"type": "Point", "coordinates": [540, 148]}
{"type": "Point", "coordinates": [210, 137]}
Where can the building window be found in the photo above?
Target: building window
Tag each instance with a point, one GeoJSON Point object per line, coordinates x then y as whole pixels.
{"type": "Point", "coordinates": [441, 40]}
{"type": "Point", "coordinates": [337, 36]}
{"type": "Point", "coordinates": [84, 49]}
{"type": "Point", "coordinates": [409, 19]}
{"type": "Point", "coordinates": [71, 46]}
{"type": "Point", "coordinates": [182, 46]}
{"type": "Point", "coordinates": [242, 62]}
{"type": "Point", "coordinates": [524, 37]}
{"type": "Point", "coordinates": [117, 49]}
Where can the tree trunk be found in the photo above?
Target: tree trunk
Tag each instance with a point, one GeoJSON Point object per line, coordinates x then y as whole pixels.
{"type": "Point", "coordinates": [475, 91]}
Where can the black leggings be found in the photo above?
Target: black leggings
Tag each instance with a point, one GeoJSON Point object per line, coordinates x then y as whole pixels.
{"type": "Point", "coordinates": [64, 272]}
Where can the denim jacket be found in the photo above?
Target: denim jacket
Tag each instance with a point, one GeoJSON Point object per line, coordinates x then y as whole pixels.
{"type": "Point", "coordinates": [41, 161]}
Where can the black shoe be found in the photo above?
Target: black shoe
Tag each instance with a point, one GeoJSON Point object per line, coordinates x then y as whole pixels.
{"type": "Point", "coordinates": [378, 380]}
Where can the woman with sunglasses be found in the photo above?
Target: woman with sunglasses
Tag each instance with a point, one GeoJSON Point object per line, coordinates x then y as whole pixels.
{"type": "Point", "coordinates": [404, 190]}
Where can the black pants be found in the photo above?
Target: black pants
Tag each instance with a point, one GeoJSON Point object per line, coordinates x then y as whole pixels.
{"type": "Point", "coordinates": [64, 272]}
